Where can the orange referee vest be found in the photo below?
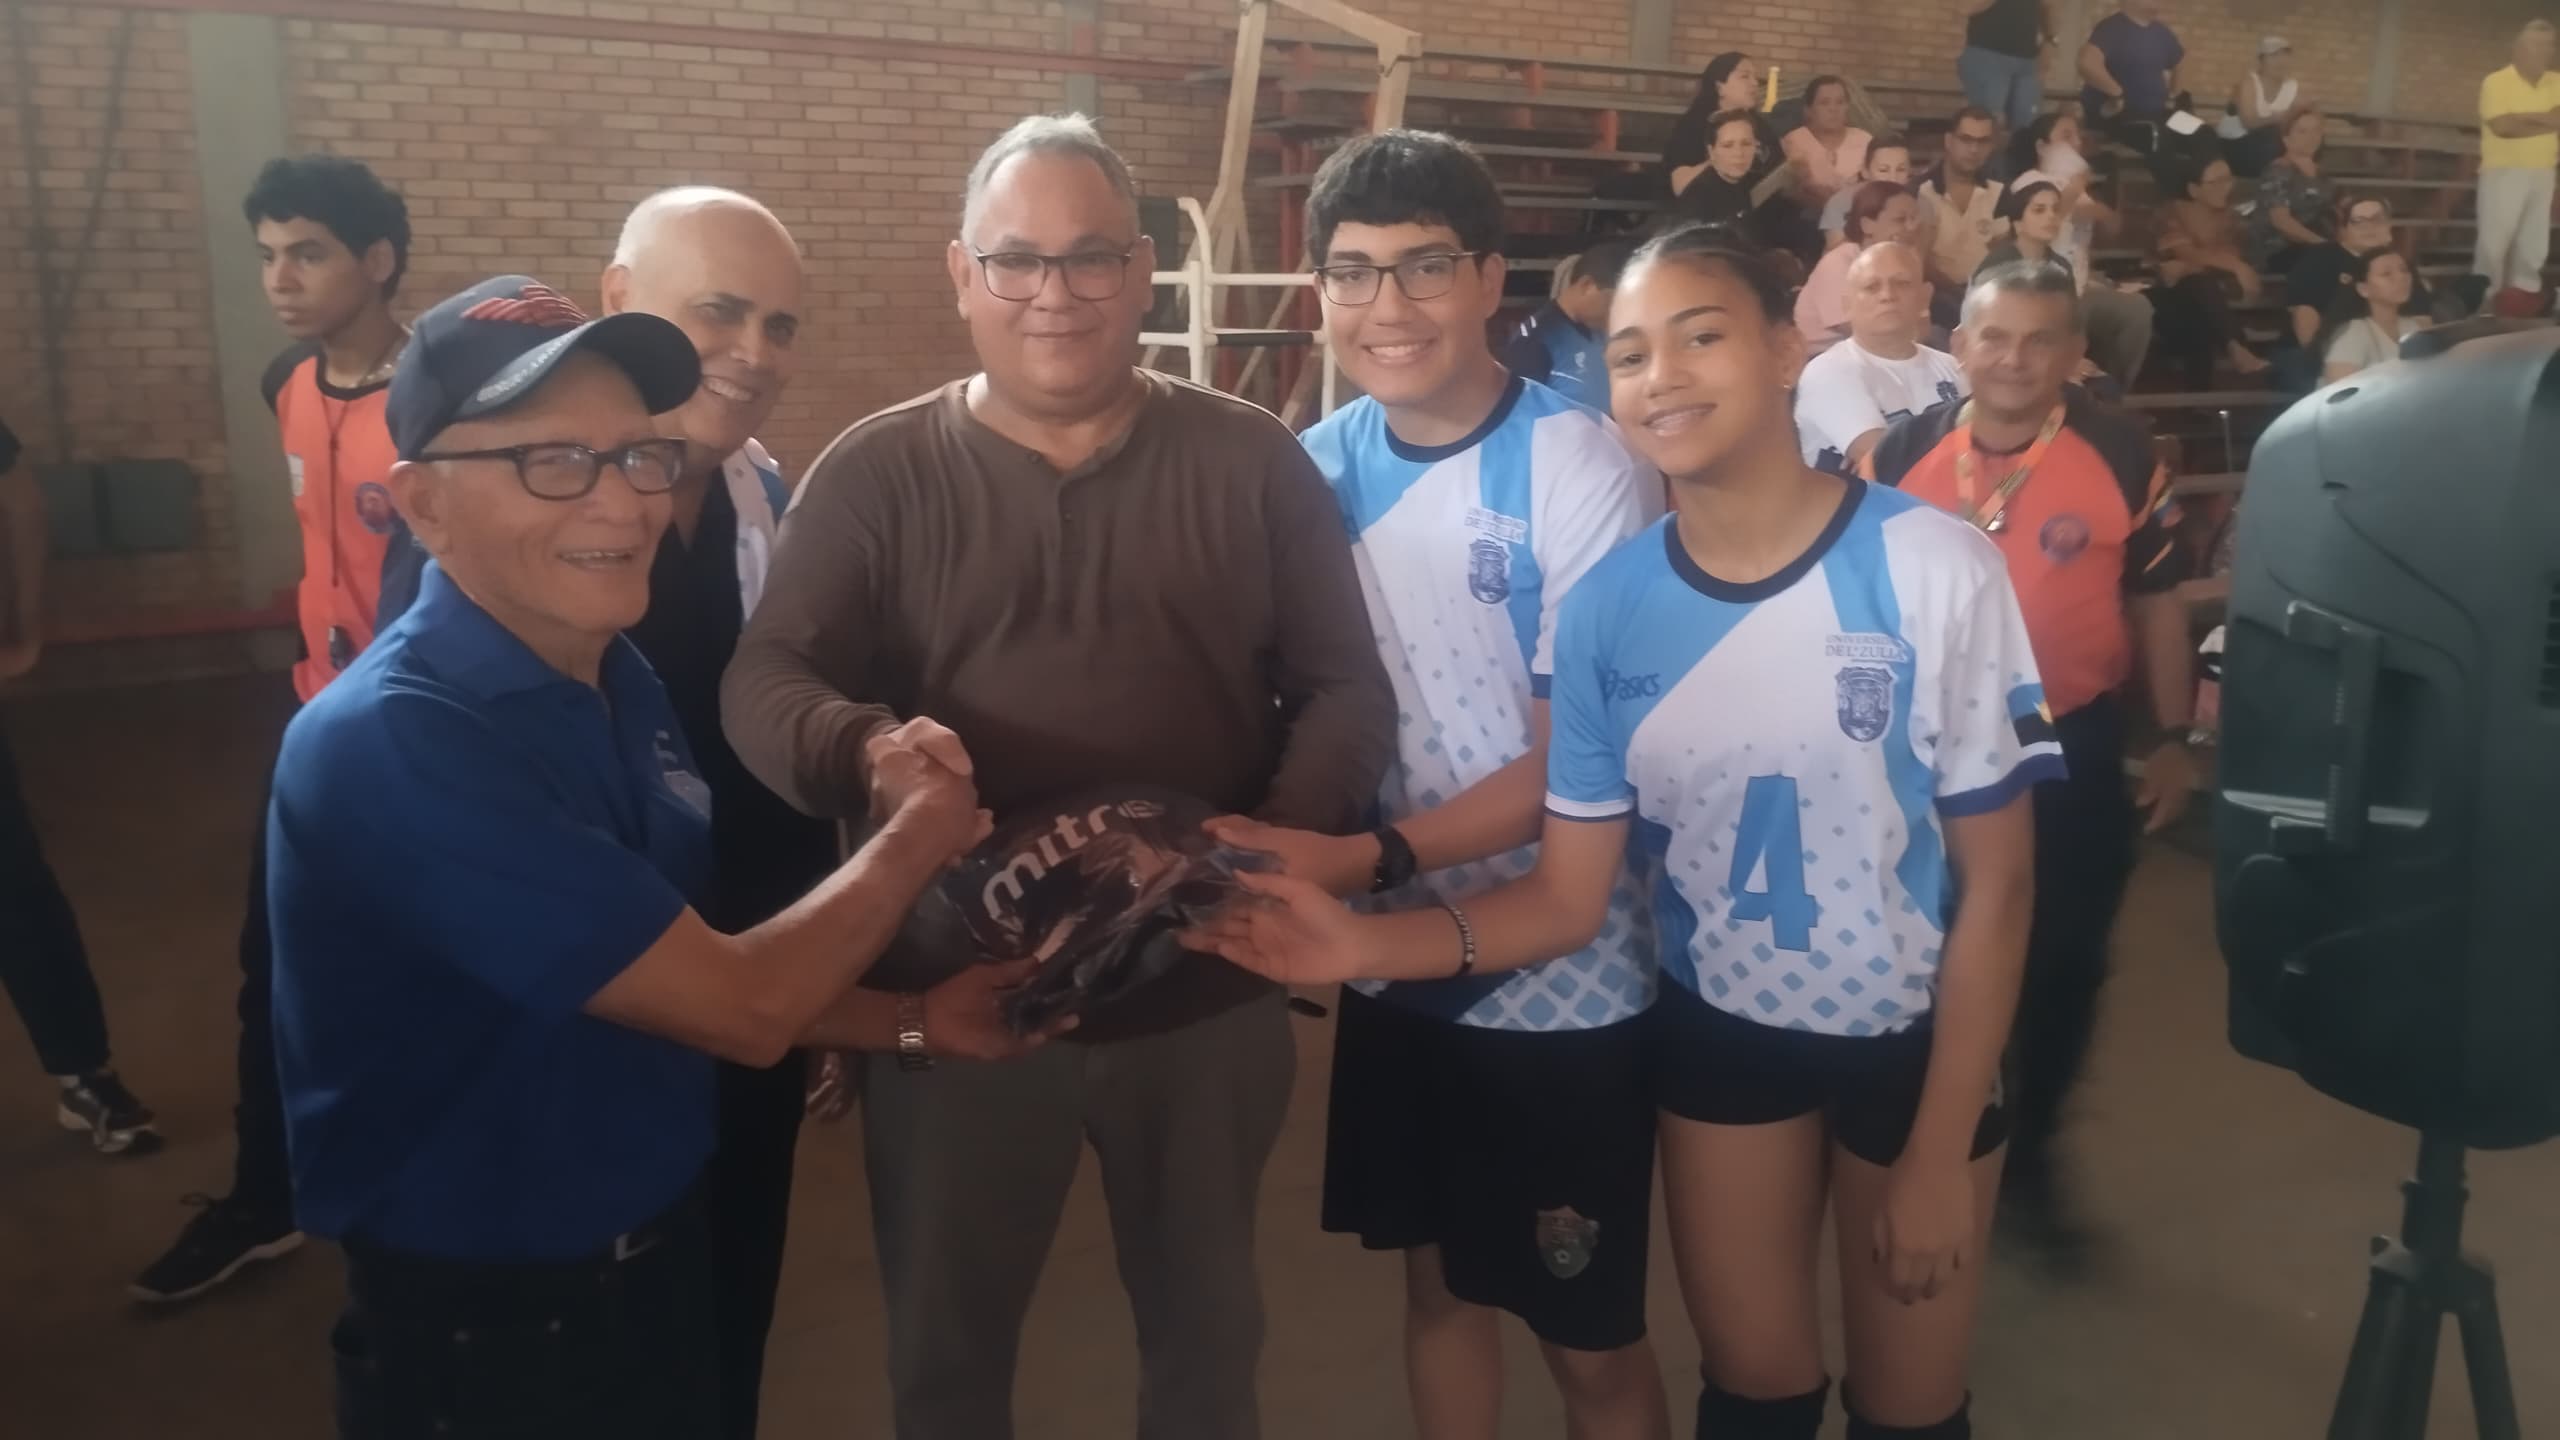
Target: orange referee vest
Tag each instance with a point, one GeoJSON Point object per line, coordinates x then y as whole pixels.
{"type": "Point", "coordinates": [337, 453]}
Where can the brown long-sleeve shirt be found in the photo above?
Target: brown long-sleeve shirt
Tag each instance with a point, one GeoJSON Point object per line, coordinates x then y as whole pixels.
{"type": "Point", "coordinates": [1180, 610]}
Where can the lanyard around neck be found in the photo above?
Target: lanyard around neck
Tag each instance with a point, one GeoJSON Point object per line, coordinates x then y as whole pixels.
{"type": "Point", "coordinates": [1991, 516]}
{"type": "Point", "coordinates": [333, 413]}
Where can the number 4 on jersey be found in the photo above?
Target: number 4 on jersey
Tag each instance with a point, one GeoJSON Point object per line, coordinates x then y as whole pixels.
{"type": "Point", "coordinates": [1770, 840]}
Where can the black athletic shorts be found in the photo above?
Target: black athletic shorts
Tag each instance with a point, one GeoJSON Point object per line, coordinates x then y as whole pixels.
{"type": "Point", "coordinates": [1717, 1068]}
{"type": "Point", "coordinates": [1527, 1157]}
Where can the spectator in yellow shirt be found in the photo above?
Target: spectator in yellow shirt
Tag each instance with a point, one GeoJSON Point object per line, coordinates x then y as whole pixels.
{"type": "Point", "coordinates": [2519, 146]}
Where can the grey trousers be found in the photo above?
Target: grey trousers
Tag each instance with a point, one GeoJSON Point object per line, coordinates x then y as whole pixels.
{"type": "Point", "coordinates": [970, 1166]}
{"type": "Point", "coordinates": [2119, 331]}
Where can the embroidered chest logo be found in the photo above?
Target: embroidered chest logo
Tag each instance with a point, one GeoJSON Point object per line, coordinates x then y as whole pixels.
{"type": "Point", "coordinates": [1863, 694]}
{"type": "Point", "coordinates": [373, 507]}
{"type": "Point", "coordinates": [1865, 701]}
{"type": "Point", "coordinates": [1489, 570]}
{"type": "Point", "coordinates": [1489, 554]}
{"type": "Point", "coordinates": [2063, 538]}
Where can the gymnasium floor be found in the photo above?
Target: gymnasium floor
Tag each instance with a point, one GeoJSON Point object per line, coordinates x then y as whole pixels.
{"type": "Point", "coordinates": [2238, 1201]}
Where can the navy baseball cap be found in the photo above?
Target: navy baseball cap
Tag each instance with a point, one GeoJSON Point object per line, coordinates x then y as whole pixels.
{"type": "Point", "coordinates": [483, 350]}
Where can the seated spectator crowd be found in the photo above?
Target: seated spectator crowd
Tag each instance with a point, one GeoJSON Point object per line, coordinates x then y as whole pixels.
{"type": "Point", "coordinates": [2247, 212]}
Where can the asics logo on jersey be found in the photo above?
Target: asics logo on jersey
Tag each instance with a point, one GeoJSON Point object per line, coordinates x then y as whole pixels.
{"type": "Point", "coordinates": [1618, 685]}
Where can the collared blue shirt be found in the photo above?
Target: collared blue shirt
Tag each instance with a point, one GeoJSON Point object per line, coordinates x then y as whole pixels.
{"type": "Point", "coordinates": [465, 845]}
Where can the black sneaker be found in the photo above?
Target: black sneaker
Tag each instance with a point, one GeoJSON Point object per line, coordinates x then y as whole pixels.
{"type": "Point", "coordinates": [98, 1104]}
{"type": "Point", "coordinates": [216, 1245]}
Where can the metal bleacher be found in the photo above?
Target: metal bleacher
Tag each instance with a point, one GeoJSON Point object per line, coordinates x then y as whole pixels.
{"type": "Point", "coordinates": [1574, 142]}
{"type": "Point", "coordinates": [1571, 140]}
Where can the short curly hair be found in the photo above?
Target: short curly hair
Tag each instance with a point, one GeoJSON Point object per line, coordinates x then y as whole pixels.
{"type": "Point", "coordinates": [344, 196]}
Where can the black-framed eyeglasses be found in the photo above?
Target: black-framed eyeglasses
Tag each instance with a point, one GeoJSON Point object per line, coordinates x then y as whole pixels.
{"type": "Point", "coordinates": [1420, 277]}
{"type": "Point", "coordinates": [568, 472]}
{"type": "Point", "coordinates": [1091, 274]}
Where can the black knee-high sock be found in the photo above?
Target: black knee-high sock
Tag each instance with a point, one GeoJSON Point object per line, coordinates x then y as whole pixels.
{"type": "Point", "coordinates": [1958, 1426]}
{"type": "Point", "coordinates": [1723, 1415]}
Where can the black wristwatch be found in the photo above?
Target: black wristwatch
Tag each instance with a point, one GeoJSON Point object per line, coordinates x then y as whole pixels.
{"type": "Point", "coordinates": [1395, 860]}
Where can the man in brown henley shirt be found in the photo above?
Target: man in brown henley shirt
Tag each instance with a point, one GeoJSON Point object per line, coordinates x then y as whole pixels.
{"type": "Point", "coordinates": [1091, 574]}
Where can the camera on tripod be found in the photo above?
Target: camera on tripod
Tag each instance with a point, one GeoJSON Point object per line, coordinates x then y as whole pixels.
{"type": "Point", "coordinates": [2385, 883]}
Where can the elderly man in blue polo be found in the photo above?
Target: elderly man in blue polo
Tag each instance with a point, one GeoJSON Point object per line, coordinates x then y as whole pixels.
{"type": "Point", "coordinates": [497, 1008]}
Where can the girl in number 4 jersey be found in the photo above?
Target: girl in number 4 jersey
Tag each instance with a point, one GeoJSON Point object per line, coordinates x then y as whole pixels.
{"type": "Point", "coordinates": [1809, 704]}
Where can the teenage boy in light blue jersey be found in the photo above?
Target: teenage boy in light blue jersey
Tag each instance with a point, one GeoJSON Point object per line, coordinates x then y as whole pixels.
{"type": "Point", "coordinates": [1496, 1129]}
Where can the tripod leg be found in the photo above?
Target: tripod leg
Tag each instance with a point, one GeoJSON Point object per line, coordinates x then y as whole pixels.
{"type": "Point", "coordinates": [2417, 1386]}
{"type": "Point", "coordinates": [2484, 1356]}
{"type": "Point", "coordinates": [2369, 1399]}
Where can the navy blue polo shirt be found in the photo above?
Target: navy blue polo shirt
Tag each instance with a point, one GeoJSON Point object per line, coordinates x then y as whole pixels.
{"type": "Point", "coordinates": [464, 846]}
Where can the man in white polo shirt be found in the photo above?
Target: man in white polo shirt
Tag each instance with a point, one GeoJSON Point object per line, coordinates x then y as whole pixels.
{"type": "Point", "coordinates": [1850, 394]}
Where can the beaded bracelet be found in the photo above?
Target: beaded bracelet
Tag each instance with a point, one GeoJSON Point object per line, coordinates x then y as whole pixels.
{"type": "Point", "coordinates": [1466, 941]}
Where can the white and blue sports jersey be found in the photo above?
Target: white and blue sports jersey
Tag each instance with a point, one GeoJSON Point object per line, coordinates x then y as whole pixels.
{"type": "Point", "coordinates": [1789, 747]}
{"type": "Point", "coordinates": [1849, 390]}
{"type": "Point", "coordinates": [1464, 552]}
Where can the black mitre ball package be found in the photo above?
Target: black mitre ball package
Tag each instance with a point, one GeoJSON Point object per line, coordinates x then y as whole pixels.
{"type": "Point", "coordinates": [1093, 885]}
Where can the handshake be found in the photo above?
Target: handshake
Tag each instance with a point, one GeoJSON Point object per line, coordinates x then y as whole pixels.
{"type": "Point", "coordinates": [923, 787]}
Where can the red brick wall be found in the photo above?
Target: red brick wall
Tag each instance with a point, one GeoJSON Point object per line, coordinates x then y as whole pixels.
{"type": "Point", "coordinates": [1205, 29]}
{"type": "Point", "coordinates": [967, 22]}
{"type": "Point", "coordinates": [1577, 28]}
{"type": "Point", "coordinates": [854, 119]}
{"type": "Point", "coordinates": [863, 161]}
{"type": "Point", "coordinates": [863, 164]}
{"type": "Point", "coordinates": [138, 357]}
{"type": "Point", "coordinates": [1194, 31]}
{"type": "Point", "coordinates": [524, 152]}
{"type": "Point", "coordinates": [2441, 73]}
